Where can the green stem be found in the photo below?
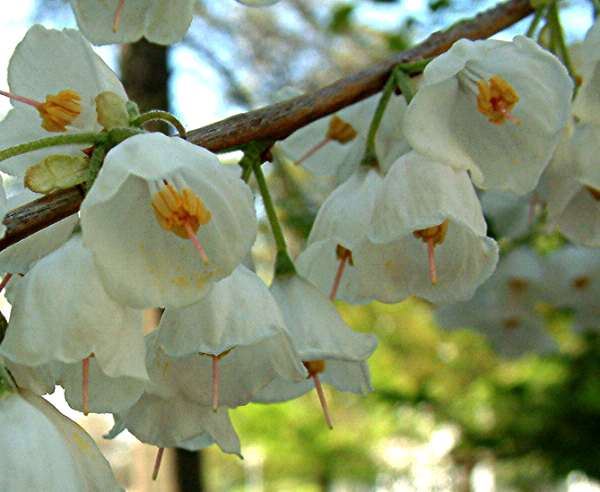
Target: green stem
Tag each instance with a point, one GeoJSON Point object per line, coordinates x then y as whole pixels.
{"type": "Point", "coordinates": [283, 263]}
{"type": "Point", "coordinates": [95, 164]}
{"type": "Point", "coordinates": [539, 14]}
{"type": "Point", "coordinates": [370, 155]}
{"type": "Point", "coordinates": [404, 81]}
{"type": "Point", "coordinates": [74, 138]}
{"type": "Point", "coordinates": [558, 35]}
{"type": "Point", "coordinates": [157, 115]}
{"type": "Point", "coordinates": [252, 152]}
{"type": "Point", "coordinates": [413, 68]}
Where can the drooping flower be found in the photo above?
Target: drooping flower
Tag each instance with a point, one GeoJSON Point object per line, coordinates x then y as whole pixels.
{"type": "Point", "coordinates": [126, 21]}
{"type": "Point", "coordinates": [229, 345]}
{"type": "Point", "coordinates": [428, 236]}
{"type": "Point", "coordinates": [495, 108]}
{"type": "Point", "coordinates": [44, 450]}
{"type": "Point", "coordinates": [503, 308]}
{"type": "Point", "coordinates": [165, 221]}
{"type": "Point", "coordinates": [572, 186]}
{"type": "Point", "coordinates": [165, 417]}
{"type": "Point", "coordinates": [509, 215]}
{"type": "Point", "coordinates": [342, 224]}
{"type": "Point", "coordinates": [587, 102]}
{"type": "Point", "coordinates": [335, 145]}
{"type": "Point", "coordinates": [331, 352]}
{"type": "Point", "coordinates": [61, 313]}
{"type": "Point", "coordinates": [59, 75]}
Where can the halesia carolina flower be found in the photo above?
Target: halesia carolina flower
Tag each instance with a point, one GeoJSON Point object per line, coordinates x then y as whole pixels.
{"type": "Point", "coordinates": [230, 344]}
{"type": "Point", "coordinates": [126, 21]}
{"type": "Point", "coordinates": [572, 186]}
{"type": "Point", "coordinates": [165, 221]}
{"type": "Point", "coordinates": [586, 106]}
{"type": "Point", "coordinates": [331, 352]}
{"type": "Point", "coordinates": [165, 417]}
{"type": "Point", "coordinates": [495, 108]}
{"type": "Point", "coordinates": [44, 450]}
{"type": "Point", "coordinates": [503, 308]}
{"type": "Point", "coordinates": [342, 223]}
{"type": "Point", "coordinates": [61, 313]}
{"type": "Point", "coordinates": [53, 78]}
{"type": "Point", "coordinates": [335, 145]}
{"type": "Point", "coordinates": [428, 236]}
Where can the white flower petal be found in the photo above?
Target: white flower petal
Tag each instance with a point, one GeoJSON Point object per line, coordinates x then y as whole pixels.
{"type": "Point", "coordinates": [142, 264]}
{"type": "Point", "coordinates": [44, 450]}
{"type": "Point", "coordinates": [444, 123]}
{"type": "Point", "coordinates": [76, 319]}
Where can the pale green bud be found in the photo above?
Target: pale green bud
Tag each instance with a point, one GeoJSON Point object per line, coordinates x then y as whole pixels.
{"type": "Point", "coordinates": [57, 172]}
{"type": "Point", "coordinates": [111, 110]}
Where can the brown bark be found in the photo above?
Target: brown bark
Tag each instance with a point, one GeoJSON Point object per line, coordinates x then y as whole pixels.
{"type": "Point", "coordinates": [280, 120]}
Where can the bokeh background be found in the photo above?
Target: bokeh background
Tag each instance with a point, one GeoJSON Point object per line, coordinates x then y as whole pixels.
{"type": "Point", "coordinates": [447, 413]}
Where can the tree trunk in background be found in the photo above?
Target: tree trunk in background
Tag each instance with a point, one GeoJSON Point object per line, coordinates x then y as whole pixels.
{"type": "Point", "coordinates": [145, 75]}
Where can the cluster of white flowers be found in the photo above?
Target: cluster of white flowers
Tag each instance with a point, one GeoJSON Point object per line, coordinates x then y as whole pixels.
{"type": "Point", "coordinates": [164, 225]}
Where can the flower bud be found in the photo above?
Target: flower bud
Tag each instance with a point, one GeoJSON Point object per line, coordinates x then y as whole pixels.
{"type": "Point", "coordinates": [56, 172]}
{"type": "Point", "coordinates": [111, 110]}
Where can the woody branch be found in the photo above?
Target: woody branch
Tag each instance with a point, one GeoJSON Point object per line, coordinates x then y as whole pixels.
{"type": "Point", "coordinates": [278, 121]}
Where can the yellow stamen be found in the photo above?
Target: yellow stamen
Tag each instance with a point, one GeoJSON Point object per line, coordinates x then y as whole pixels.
{"type": "Point", "coordinates": [341, 131]}
{"type": "Point", "coordinates": [432, 236]}
{"type": "Point", "coordinates": [60, 110]}
{"type": "Point", "coordinates": [179, 211]}
{"type": "Point", "coordinates": [314, 366]}
{"type": "Point", "coordinates": [496, 99]}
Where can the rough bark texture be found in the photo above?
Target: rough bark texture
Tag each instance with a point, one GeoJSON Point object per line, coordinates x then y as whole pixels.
{"type": "Point", "coordinates": [280, 120]}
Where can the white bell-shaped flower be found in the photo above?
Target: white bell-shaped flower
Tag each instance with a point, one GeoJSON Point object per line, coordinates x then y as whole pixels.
{"type": "Point", "coordinates": [126, 21]}
{"type": "Point", "coordinates": [587, 103]}
{"type": "Point", "coordinates": [428, 237]}
{"type": "Point", "coordinates": [165, 221]}
{"type": "Point", "coordinates": [342, 223]}
{"type": "Point", "coordinates": [572, 186]}
{"type": "Point", "coordinates": [572, 278]}
{"type": "Point", "coordinates": [334, 145]}
{"type": "Point", "coordinates": [19, 257]}
{"type": "Point", "coordinates": [493, 107]}
{"type": "Point", "coordinates": [330, 350]}
{"type": "Point", "coordinates": [62, 69]}
{"type": "Point", "coordinates": [43, 450]}
{"type": "Point", "coordinates": [230, 344]}
{"type": "Point", "coordinates": [61, 313]}
{"type": "Point", "coordinates": [164, 417]}
{"type": "Point", "coordinates": [503, 308]}
{"type": "Point", "coordinates": [177, 422]}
